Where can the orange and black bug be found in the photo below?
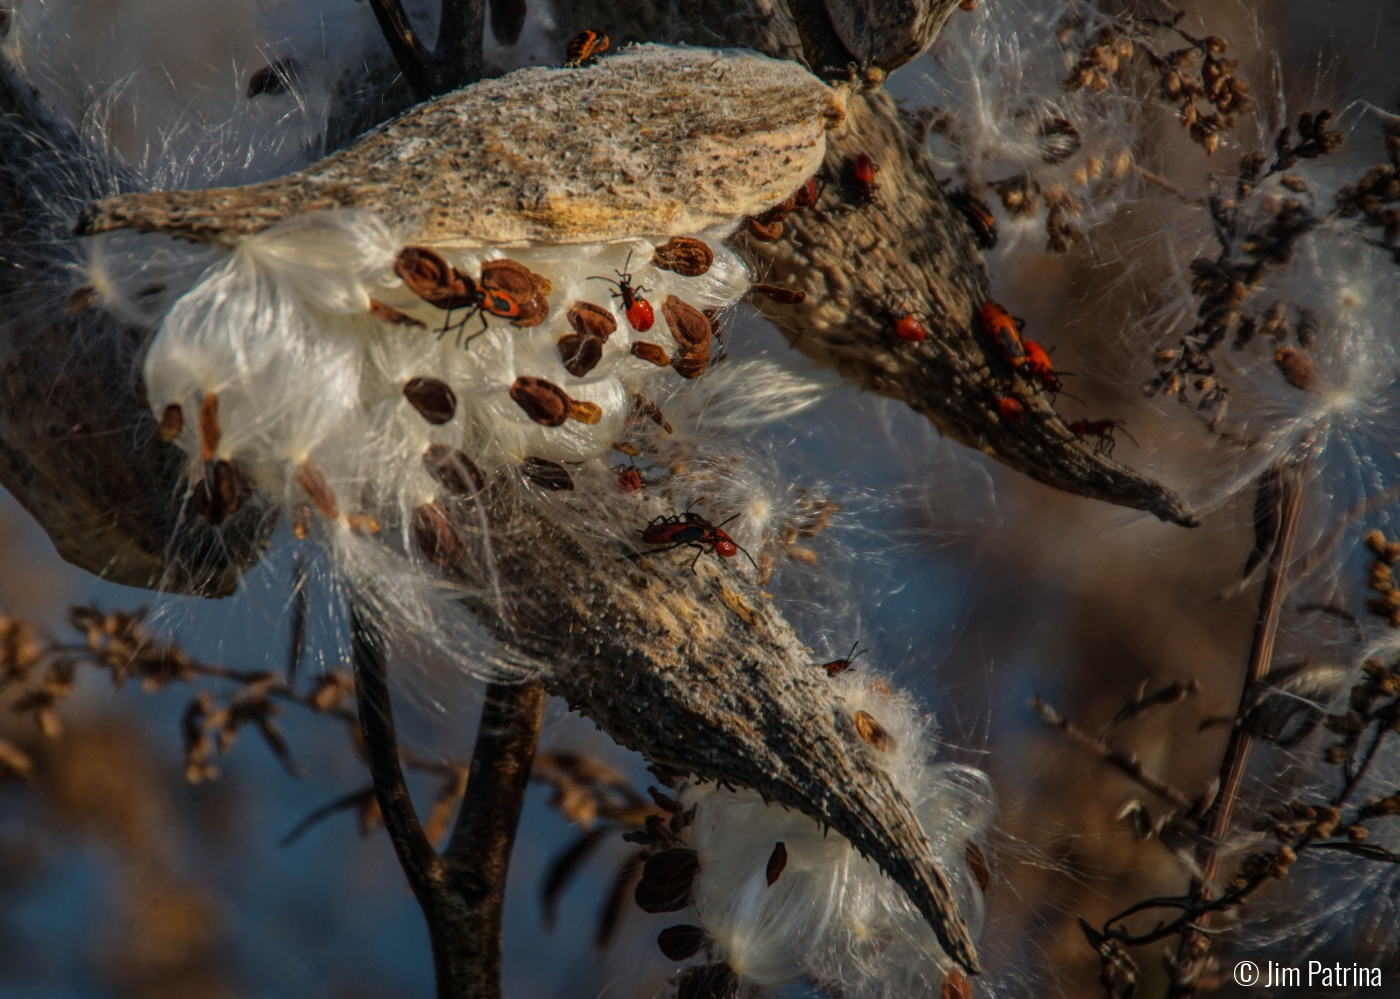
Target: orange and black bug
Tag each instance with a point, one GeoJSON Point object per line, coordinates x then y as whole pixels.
{"type": "Point", "coordinates": [1004, 331]}
{"type": "Point", "coordinates": [629, 478]}
{"type": "Point", "coordinates": [1104, 431]}
{"type": "Point", "coordinates": [863, 170]}
{"type": "Point", "coordinates": [433, 279]}
{"type": "Point", "coordinates": [906, 327]}
{"type": "Point", "coordinates": [637, 309]}
{"type": "Point", "coordinates": [1037, 366]}
{"type": "Point", "coordinates": [838, 666]}
{"type": "Point", "coordinates": [978, 216]}
{"type": "Point", "coordinates": [690, 530]}
{"type": "Point", "coordinates": [585, 48]}
{"type": "Point", "coordinates": [806, 196]}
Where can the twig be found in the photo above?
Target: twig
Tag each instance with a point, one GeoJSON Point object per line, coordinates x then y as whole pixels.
{"type": "Point", "coordinates": [1142, 702]}
{"type": "Point", "coordinates": [462, 891]}
{"type": "Point", "coordinates": [1285, 481]}
{"type": "Point", "coordinates": [1127, 763]}
{"type": "Point", "coordinates": [456, 59]}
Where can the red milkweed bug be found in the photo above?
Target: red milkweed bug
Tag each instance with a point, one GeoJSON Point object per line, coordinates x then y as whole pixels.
{"type": "Point", "coordinates": [584, 49]}
{"type": "Point", "coordinates": [863, 170]}
{"type": "Point", "coordinates": [1104, 431]}
{"type": "Point", "coordinates": [906, 327]}
{"type": "Point", "coordinates": [1004, 331]}
{"type": "Point", "coordinates": [837, 666]}
{"type": "Point", "coordinates": [637, 309]}
{"type": "Point", "coordinates": [806, 196]}
{"type": "Point", "coordinates": [443, 286]}
{"type": "Point", "coordinates": [1037, 365]}
{"type": "Point", "coordinates": [1009, 409]}
{"type": "Point", "coordinates": [690, 530]}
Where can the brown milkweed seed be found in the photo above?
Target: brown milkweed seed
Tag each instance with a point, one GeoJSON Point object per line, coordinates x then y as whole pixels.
{"type": "Point", "coordinates": [362, 522]}
{"type": "Point", "coordinates": [688, 325]}
{"type": "Point", "coordinates": [872, 731]}
{"type": "Point", "coordinates": [977, 864]}
{"type": "Point", "coordinates": [509, 276]}
{"type": "Point", "coordinates": [651, 352]}
{"type": "Point", "coordinates": [955, 985]}
{"type": "Point", "coordinates": [392, 316]}
{"type": "Point", "coordinates": [691, 365]}
{"type": "Point", "coordinates": [547, 474]}
{"type": "Point", "coordinates": [680, 943]}
{"type": "Point", "coordinates": [441, 543]}
{"type": "Point", "coordinates": [532, 312]}
{"type": "Point", "coordinates": [433, 279]}
{"type": "Point", "coordinates": [317, 489]}
{"type": "Point", "coordinates": [454, 470]}
{"type": "Point", "coordinates": [209, 432]}
{"type": "Point", "coordinates": [588, 319]}
{"type": "Point", "coordinates": [172, 421]}
{"type": "Point", "coordinates": [82, 300]}
{"type": "Point", "coordinates": [301, 521]}
{"type": "Point", "coordinates": [580, 353]}
{"type": "Point", "coordinates": [685, 255]}
{"type": "Point", "coordinates": [434, 399]}
{"type": "Point", "coordinates": [543, 401]}
{"type": "Point", "coordinates": [219, 493]}
{"type": "Point", "coordinates": [587, 413]}
{"type": "Point", "coordinates": [781, 295]}
{"type": "Point", "coordinates": [1297, 367]}
{"type": "Point", "coordinates": [777, 860]}
{"type": "Point", "coordinates": [627, 448]}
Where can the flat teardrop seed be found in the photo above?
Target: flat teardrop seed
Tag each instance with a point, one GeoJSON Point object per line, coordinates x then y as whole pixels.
{"type": "Point", "coordinates": [454, 470]}
{"type": "Point", "coordinates": [441, 543]}
{"type": "Point", "coordinates": [433, 398]}
{"type": "Point", "coordinates": [580, 353]}
{"type": "Point", "coordinates": [543, 401]}
{"type": "Point", "coordinates": [547, 474]}
{"type": "Point", "coordinates": [684, 255]}
{"type": "Point", "coordinates": [592, 320]}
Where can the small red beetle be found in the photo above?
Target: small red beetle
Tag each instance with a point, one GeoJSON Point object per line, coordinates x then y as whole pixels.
{"type": "Point", "coordinates": [863, 170]}
{"type": "Point", "coordinates": [1009, 409]}
{"type": "Point", "coordinates": [1037, 365]}
{"type": "Point", "coordinates": [637, 309]}
{"type": "Point", "coordinates": [1104, 431]}
{"type": "Point", "coordinates": [998, 324]}
{"type": "Point", "coordinates": [906, 327]}
{"type": "Point", "coordinates": [691, 530]}
{"type": "Point", "coordinates": [629, 478]}
{"type": "Point", "coordinates": [806, 195]}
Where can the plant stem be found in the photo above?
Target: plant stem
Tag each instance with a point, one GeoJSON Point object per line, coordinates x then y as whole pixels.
{"type": "Point", "coordinates": [1285, 480]}
{"type": "Point", "coordinates": [462, 891]}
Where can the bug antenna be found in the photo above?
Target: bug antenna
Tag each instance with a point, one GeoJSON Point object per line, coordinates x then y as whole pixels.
{"type": "Point", "coordinates": [744, 550]}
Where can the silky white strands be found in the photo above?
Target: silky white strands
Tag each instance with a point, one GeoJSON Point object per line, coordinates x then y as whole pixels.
{"type": "Point", "coordinates": [779, 898]}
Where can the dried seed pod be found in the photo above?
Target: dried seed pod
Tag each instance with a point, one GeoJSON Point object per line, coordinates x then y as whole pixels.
{"type": "Point", "coordinates": [580, 353]}
{"type": "Point", "coordinates": [220, 493]}
{"type": "Point", "coordinates": [691, 365]}
{"type": "Point", "coordinates": [543, 401]}
{"type": "Point", "coordinates": [685, 255]}
{"type": "Point", "coordinates": [587, 413]}
{"type": "Point", "coordinates": [872, 731]}
{"type": "Point", "coordinates": [688, 324]}
{"type": "Point", "coordinates": [708, 981]}
{"type": "Point", "coordinates": [392, 316]}
{"type": "Point", "coordinates": [777, 861]}
{"type": "Point", "coordinates": [454, 470]}
{"type": "Point", "coordinates": [781, 295]}
{"type": "Point", "coordinates": [209, 431]}
{"type": "Point", "coordinates": [433, 279]}
{"type": "Point", "coordinates": [667, 879]}
{"type": "Point", "coordinates": [172, 421]}
{"type": "Point", "coordinates": [588, 319]}
{"type": "Point", "coordinates": [546, 474]}
{"type": "Point", "coordinates": [650, 352]}
{"type": "Point", "coordinates": [432, 397]}
{"type": "Point", "coordinates": [439, 540]}
{"type": "Point", "coordinates": [317, 489]}
{"type": "Point", "coordinates": [680, 943]}
{"type": "Point", "coordinates": [1297, 367]}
